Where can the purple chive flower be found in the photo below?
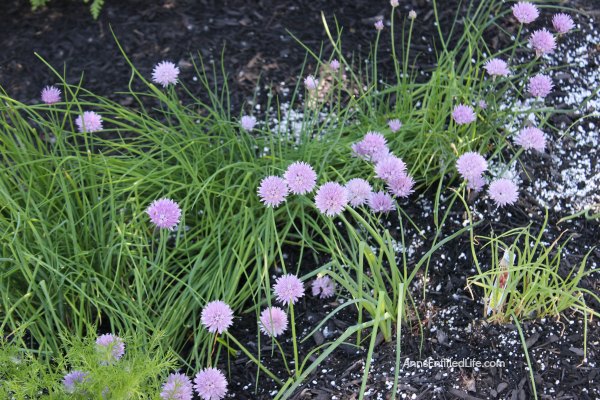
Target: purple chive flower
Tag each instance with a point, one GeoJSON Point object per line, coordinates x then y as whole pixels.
{"type": "Point", "coordinates": [394, 125]}
{"type": "Point", "coordinates": [381, 202]}
{"type": "Point", "coordinates": [525, 12]}
{"type": "Point", "coordinates": [371, 146]}
{"type": "Point", "coordinates": [177, 387]}
{"type": "Point", "coordinates": [110, 347]}
{"type": "Point", "coordinates": [323, 286]}
{"type": "Point", "coordinates": [471, 165]}
{"type": "Point", "coordinates": [482, 104]}
{"type": "Point", "coordinates": [300, 177]}
{"type": "Point", "coordinates": [463, 114]}
{"type": "Point", "coordinates": [334, 64]}
{"type": "Point", "coordinates": [272, 191]}
{"type": "Point", "coordinates": [51, 95]}
{"type": "Point", "coordinates": [358, 191]}
{"type": "Point", "coordinates": [389, 167]}
{"type": "Point", "coordinates": [310, 82]}
{"type": "Point", "coordinates": [248, 122]}
{"type": "Point", "coordinates": [531, 138]}
{"type": "Point", "coordinates": [477, 183]}
{"type": "Point", "coordinates": [496, 67]}
{"type": "Point", "coordinates": [164, 213]}
{"type": "Point", "coordinates": [288, 289]}
{"type": "Point", "coordinates": [503, 191]}
{"type": "Point", "coordinates": [210, 384]}
{"type": "Point", "coordinates": [394, 3]}
{"type": "Point", "coordinates": [273, 321]}
{"type": "Point", "coordinates": [401, 185]}
{"type": "Point", "coordinates": [542, 41]}
{"type": "Point", "coordinates": [217, 316]}
{"type": "Point", "coordinates": [412, 14]}
{"type": "Point", "coordinates": [540, 85]}
{"type": "Point", "coordinates": [379, 25]}
{"type": "Point", "coordinates": [331, 198]}
{"type": "Point", "coordinates": [89, 122]}
{"type": "Point", "coordinates": [562, 23]}
{"type": "Point", "coordinates": [165, 73]}
{"type": "Point", "coordinates": [73, 379]}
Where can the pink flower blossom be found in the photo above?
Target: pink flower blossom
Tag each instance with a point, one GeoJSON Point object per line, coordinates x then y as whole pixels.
{"type": "Point", "coordinates": [394, 3]}
{"type": "Point", "coordinates": [310, 82]}
{"type": "Point", "coordinates": [381, 202]}
{"type": "Point", "coordinates": [389, 167]}
{"type": "Point", "coordinates": [401, 185]}
{"type": "Point", "coordinates": [300, 177]}
{"type": "Point", "coordinates": [471, 165]}
{"type": "Point", "coordinates": [211, 384]}
{"type": "Point", "coordinates": [73, 380]}
{"type": "Point", "coordinates": [248, 122]}
{"type": "Point", "coordinates": [177, 387]}
{"type": "Point", "coordinates": [412, 14]}
{"type": "Point", "coordinates": [379, 25]}
{"type": "Point", "coordinates": [110, 348]}
{"type": "Point", "coordinates": [503, 192]}
{"type": "Point", "coordinates": [272, 191]}
{"type": "Point", "coordinates": [334, 64]}
{"type": "Point", "coordinates": [542, 41]}
{"type": "Point", "coordinates": [562, 23]}
{"type": "Point", "coordinates": [373, 145]}
{"type": "Point", "coordinates": [463, 114]}
{"type": "Point", "coordinates": [273, 321]}
{"type": "Point", "coordinates": [496, 67]}
{"type": "Point", "coordinates": [217, 316]}
{"type": "Point", "coordinates": [164, 213]}
{"type": "Point", "coordinates": [89, 121]}
{"type": "Point", "coordinates": [51, 95]}
{"type": "Point", "coordinates": [531, 138]}
{"type": "Point", "coordinates": [331, 198]}
{"type": "Point", "coordinates": [359, 191]}
{"type": "Point", "coordinates": [477, 183]}
{"type": "Point", "coordinates": [525, 12]}
{"type": "Point", "coordinates": [540, 85]}
{"type": "Point", "coordinates": [165, 73]}
{"type": "Point", "coordinates": [394, 125]}
{"type": "Point", "coordinates": [288, 289]}
{"type": "Point", "coordinates": [323, 286]}
{"type": "Point", "coordinates": [482, 104]}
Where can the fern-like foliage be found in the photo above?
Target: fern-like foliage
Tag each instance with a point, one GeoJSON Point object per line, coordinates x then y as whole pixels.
{"type": "Point", "coordinates": [95, 7]}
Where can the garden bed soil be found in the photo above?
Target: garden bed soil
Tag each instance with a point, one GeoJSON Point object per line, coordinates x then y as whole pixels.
{"type": "Point", "coordinates": [258, 45]}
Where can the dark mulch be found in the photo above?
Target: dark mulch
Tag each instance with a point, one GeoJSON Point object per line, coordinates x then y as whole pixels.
{"type": "Point", "coordinates": [258, 45]}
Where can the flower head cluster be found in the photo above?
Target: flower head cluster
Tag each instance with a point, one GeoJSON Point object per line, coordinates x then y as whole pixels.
{"type": "Point", "coordinates": [50, 95]}
{"type": "Point", "coordinates": [372, 147]}
{"type": "Point", "coordinates": [389, 167]}
{"type": "Point", "coordinates": [503, 191]}
{"type": "Point", "coordinates": [211, 384]}
{"type": "Point", "coordinates": [525, 12]}
{"type": "Point", "coordinates": [272, 191]}
{"type": "Point", "coordinates": [412, 14]}
{"type": "Point", "coordinates": [482, 104]}
{"type": "Point", "coordinates": [381, 202]}
{"type": "Point", "coordinates": [379, 25]}
{"type": "Point", "coordinates": [110, 347]}
{"type": "Point", "coordinates": [300, 177]}
{"type": "Point", "coordinates": [310, 82]}
{"type": "Point", "coordinates": [497, 67]}
{"type": "Point", "coordinates": [73, 379]}
{"type": "Point", "coordinates": [323, 286]}
{"type": "Point", "coordinates": [288, 289]}
{"type": "Point", "coordinates": [334, 65]}
{"type": "Point", "coordinates": [471, 167]}
{"type": "Point", "coordinates": [531, 138]}
{"type": "Point", "coordinates": [164, 213]}
{"type": "Point", "coordinates": [394, 125]}
{"type": "Point", "coordinates": [248, 122]}
{"type": "Point", "coordinates": [401, 185]}
{"type": "Point", "coordinates": [542, 41]}
{"type": "Point", "coordinates": [358, 191]}
{"type": "Point", "coordinates": [331, 198]}
{"type": "Point", "coordinates": [540, 85]}
{"type": "Point", "coordinates": [463, 114]}
{"type": "Point", "coordinates": [165, 73]}
{"type": "Point", "coordinates": [273, 321]}
{"type": "Point", "coordinates": [217, 316]}
{"type": "Point", "coordinates": [177, 387]}
{"type": "Point", "coordinates": [394, 3]}
{"type": "Point", "coordinates": [562, 23]}
{"type": "Point", "coordinates": [89, 122]}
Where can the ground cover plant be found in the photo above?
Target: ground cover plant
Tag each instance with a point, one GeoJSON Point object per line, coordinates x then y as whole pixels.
{"type": "Point", "coordinates": [169, 221]}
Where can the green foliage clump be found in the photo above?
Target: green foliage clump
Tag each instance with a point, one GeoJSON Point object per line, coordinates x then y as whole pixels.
{"type": "Point", "coordinates": [95, 7]}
